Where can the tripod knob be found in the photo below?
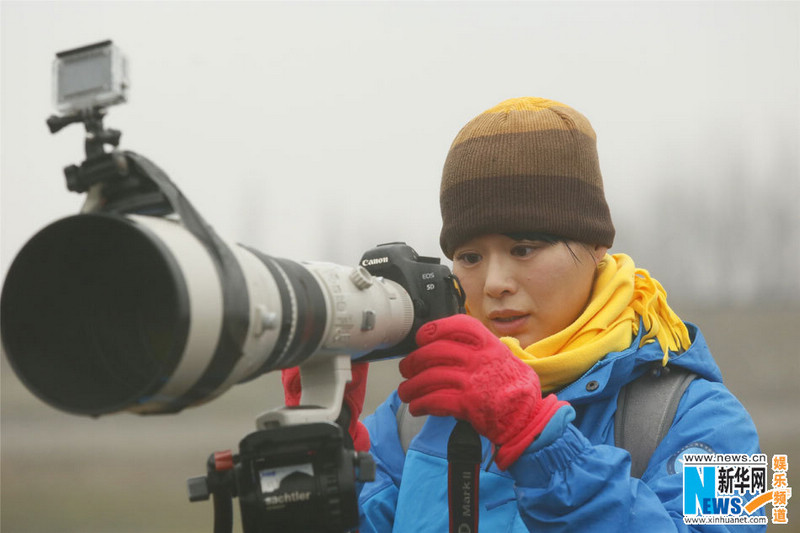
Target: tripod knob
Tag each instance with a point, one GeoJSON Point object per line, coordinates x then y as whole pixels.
{"type": "Point", "coordinates": [223, 460]}
{"type": "Point", "coordinates": [198, 489]}
{"type": "Point", "coordinates": [365, 467]}
{"type": "Point", "coordinates": [56, 123]}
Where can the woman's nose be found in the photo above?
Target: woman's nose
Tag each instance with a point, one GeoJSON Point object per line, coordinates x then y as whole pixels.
{"type": "Point", "coordinates": [500, 279]}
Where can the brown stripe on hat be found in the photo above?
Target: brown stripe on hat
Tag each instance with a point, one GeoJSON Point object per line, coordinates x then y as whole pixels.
{"type": "Point", "coordinates": [529, 165]}
{"type": "Point", "coordinates": [511, 204]}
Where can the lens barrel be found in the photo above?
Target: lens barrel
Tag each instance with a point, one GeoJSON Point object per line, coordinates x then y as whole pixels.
{"type": "Point", "coordinates": [103, 313]}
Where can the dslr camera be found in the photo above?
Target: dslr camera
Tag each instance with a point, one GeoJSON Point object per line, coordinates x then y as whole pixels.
{"type": "Point", "coordinates": [136, 304]}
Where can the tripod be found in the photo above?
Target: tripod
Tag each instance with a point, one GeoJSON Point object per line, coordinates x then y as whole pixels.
{"type": "Point", "coordinates": [298, 472]}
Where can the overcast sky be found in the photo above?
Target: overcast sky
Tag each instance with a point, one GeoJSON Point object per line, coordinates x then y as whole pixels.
{"type": "Point", "coordinates": [317, 130]}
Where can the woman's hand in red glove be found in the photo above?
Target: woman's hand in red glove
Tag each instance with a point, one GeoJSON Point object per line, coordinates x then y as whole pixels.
{"type": "Point", "coordinates": [462, 370]}
{"type": "Point", "coordinates": [354, 394]}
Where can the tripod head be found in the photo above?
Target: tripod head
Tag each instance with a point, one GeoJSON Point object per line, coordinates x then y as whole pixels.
{"type": "Point", "coordinates": [292, 478]}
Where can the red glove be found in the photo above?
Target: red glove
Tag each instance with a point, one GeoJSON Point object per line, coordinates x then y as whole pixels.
{"type": "Point", "coordinates": [462, 370]}
{"type": "Point", "coordinates": [354, 394]}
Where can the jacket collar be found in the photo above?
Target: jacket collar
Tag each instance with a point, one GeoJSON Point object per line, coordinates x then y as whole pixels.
{"type": "Point", "coordinates": [615, 370]}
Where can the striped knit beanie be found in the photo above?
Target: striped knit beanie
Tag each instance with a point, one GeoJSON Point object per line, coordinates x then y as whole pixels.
{"type": "Point", "coordinates": [525, 165]}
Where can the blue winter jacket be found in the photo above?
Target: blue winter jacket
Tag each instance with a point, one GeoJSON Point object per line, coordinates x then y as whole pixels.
{"type": "Point", "coordinates": [572, 478]}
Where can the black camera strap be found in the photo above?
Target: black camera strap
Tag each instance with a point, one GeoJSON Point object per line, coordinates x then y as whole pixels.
{"type": "Point", "coordinates": [463, 472]}
{"type": "Point", "coordinates": [157, 194]}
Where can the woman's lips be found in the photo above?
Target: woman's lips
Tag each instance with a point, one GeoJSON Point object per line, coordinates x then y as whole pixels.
{"type": "Point", "coordinates": [507, 324]}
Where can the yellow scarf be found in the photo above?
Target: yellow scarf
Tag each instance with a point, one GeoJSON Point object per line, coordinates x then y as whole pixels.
{"type": "Point", "coordinates": [622, 295]}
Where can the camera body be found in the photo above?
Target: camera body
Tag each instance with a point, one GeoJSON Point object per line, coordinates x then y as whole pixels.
{"type": "Point", "coordinates": [90, 77]}
{"type": "Point", "coordinates": [434, 291]}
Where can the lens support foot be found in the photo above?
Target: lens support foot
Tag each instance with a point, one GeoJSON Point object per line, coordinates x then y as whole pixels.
{"type": "Point", "coordinates": [323, 380]}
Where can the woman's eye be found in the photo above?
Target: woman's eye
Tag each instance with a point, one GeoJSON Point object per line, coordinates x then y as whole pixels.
{"type": "Point", "coordinates": [523, 250]}
{"type": "Point", "coordinates": [469, 258]}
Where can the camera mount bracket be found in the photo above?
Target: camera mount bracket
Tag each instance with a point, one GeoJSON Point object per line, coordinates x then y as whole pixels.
{"type": "Point", "coordinates": [96, 135]}
{"type": "Point", "coordinates": [323, 380]}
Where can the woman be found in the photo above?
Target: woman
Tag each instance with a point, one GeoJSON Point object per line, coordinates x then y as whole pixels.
{"type": "Point", "coordinates": [527, 226]}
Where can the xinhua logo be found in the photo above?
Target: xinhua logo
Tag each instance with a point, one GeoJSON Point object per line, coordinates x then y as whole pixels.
{"type": "Point", "coordinates": [732, 488]}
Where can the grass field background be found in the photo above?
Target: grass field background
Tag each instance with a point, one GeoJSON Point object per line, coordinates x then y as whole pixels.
{"type": "Point", "coordinates": [124, 473]}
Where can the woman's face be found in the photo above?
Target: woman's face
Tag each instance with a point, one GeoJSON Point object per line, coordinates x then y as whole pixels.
{"type": "Point", "coordinates": [526, 289]}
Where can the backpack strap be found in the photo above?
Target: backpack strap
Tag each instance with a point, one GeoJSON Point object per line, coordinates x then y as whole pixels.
{"type": "Point", "coordinates": [408, 425]}
{"type": "Point", "coordinates": [645, 410]}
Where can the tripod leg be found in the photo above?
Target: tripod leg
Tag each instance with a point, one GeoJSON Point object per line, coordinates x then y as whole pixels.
{"type": "Point", "coordinates": [223, 511]}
